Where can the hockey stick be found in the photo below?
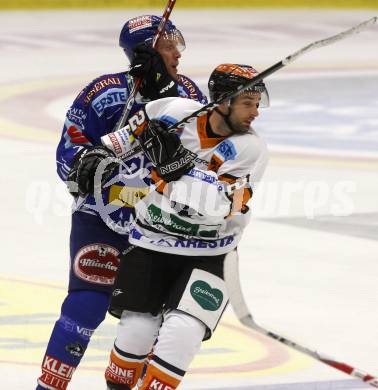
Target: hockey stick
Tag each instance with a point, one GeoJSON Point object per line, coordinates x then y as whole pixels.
{"type": "Point", "coordinates": [231, 276]}
{"type": "Point", "coordinates": [267, 72]}
{"type": "Point", "coordinates": [131, 99]}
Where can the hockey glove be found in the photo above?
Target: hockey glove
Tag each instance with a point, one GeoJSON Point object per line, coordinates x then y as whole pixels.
{"type": "Point", "coordinates": [81, 178]}
{"type": "Point", "coordinates": [149, 65]}
{"type": "Point", "coordinates": [165, 151]}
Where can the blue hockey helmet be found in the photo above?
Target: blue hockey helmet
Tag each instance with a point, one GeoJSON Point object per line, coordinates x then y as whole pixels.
{"type": "Point", "coordinates": [143, 29]}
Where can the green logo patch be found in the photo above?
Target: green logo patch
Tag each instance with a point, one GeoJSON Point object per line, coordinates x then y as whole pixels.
{"type": "Point", "coordinates": [173, 224]}
{"type": "Point", "coordinates": [208, 298]}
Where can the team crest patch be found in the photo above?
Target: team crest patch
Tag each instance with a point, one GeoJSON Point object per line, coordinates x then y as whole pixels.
{"type": "Point", "coordinates": [97, 263]}
{"type": "Point", "coordinates": [208, 298]}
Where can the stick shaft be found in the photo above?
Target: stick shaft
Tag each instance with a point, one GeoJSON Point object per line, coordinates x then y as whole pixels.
{"type": "Point", "coordinates": [274, 68]}
{"type": "Point", "coordinates": [232, 279]}
{"type": "Point", "coordinates": [138, 82]}
{"type": "Point", "coordinates": [267, 72]}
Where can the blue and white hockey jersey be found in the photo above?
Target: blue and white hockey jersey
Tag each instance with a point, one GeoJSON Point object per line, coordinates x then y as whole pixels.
{"type": "Point", "coordinates": [94, 113]}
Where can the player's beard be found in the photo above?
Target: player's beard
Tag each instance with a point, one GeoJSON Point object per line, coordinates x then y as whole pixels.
{"type": "Point", "coordinates": [237, 127]}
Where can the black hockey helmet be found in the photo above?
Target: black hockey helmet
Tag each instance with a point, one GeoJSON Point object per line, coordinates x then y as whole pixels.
{"type": "Point", "coordinates": [226, 78]}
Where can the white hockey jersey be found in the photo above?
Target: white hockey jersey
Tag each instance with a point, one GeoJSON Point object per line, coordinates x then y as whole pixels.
{"type": "Point", "coordinates": [193, 216]}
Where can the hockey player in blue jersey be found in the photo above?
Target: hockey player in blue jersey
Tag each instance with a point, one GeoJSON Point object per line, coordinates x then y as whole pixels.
{"type": "Point", "coordinates": [100, 224]}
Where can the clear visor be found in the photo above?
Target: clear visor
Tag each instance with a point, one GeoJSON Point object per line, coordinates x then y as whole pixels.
{"type": "Point", "coordinates": [261, 89]}
{"type": "Point", "coordinates": [173, 37]}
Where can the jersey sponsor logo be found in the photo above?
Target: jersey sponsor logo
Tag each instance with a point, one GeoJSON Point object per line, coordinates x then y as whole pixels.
{"type": "Point", "coordinates": [75, 349]}
{"type": "Point", "coordinates": [173, 224]}
{"type": "Point", "coordinates": [84, 331]}
{"type": "Point", "coordinates": [55, 373]}
{"type": "Point", "coordinates": [139, 23]}
{"type": "Point", "coordinates": [184, 243]}
{"type": "Point", "coordinates": [187, 89]}
{"type": "Point", "coordinates": [203, 176]}
{"type": "Point", "coordinates": [119, 141]}
{"type": "Point", "coordinates": [226, 150]}
{"type": "Point", "coordinates": [72, 326]}
{"type": "Point", "coordinates": [169, 120]}
{"type": "Point", "coordinates": [158, 384]}
{"type": "Point", "coordinates": [199, 244]}
{"type": "Point", "coordinates": [208, 298]}
{"type": "Point", "coordinates": [164, 243]}
{"type": "Point", "coordinates": [97, 263]}
{"type": "Point", "coordinates": [111, 97]}
{"type": "Point", "coordinates": [100, 85]}
{"type": "Point", "coordinates": [115, 143]}
{"type": "Point", "coordinates": [119, 374]}
{"type": "Point", "coordinates": [77, 116]}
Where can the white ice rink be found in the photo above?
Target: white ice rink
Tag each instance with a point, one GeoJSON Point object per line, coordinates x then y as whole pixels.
{"type": "Point", "coordinates": [309, 259]}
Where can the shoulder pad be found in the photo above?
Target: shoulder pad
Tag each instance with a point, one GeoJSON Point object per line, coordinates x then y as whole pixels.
{"type": "Point", "coordinates": [250, 147]}
{"type": "Point", "coordinates": [187, 88]}
{"type": "Point", "coordinates": [100, 84]}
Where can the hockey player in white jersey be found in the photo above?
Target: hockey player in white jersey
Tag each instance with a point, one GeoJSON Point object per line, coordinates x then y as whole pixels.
{"type": "Point", "coordinates": [171, 285]}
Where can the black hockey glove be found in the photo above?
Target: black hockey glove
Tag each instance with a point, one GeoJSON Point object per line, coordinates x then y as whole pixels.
{"type": "Point", "coordinates": [80, 179]}
{"type": "Point", "coordinates": [165, 151]}
{"type": "Point", "coordinates": [148, 64]}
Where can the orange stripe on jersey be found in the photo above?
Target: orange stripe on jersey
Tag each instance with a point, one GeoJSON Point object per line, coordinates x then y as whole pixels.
{"type": "Point", "coordinates": [205, 141]}
{"type": "Point", "coordinates": [241, 195]}
{"type": "Point", "coordinates": [123, 371]}
{"type": "Point", "coordinates": [157, 379]}
{"type": "Point", "coordinates": [215, 163]}
{"type": "Point", "coordinates": [140, 128]}
{"type": "Point", "coordinates": [158, 181]}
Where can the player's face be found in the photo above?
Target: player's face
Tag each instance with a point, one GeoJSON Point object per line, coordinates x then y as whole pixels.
{"type": "Point", "coordinates": [170, 53]}
{"type": "Point", "coordinates": [245, 108]}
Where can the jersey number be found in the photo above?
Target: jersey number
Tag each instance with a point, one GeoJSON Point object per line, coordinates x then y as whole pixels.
{"type": "Point", "coordinates": [138, 122]}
